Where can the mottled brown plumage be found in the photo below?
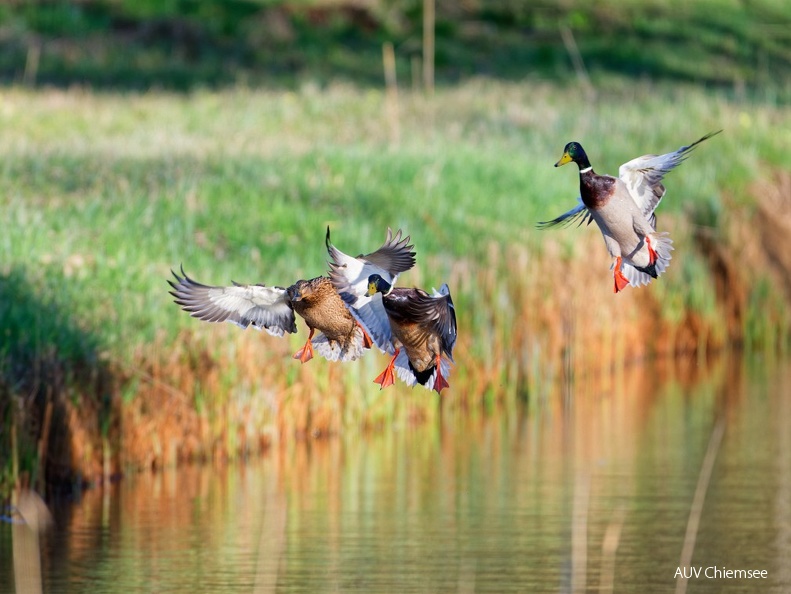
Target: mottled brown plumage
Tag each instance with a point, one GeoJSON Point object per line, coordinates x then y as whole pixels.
{"type": "Point", "coordinates": [319, 304]}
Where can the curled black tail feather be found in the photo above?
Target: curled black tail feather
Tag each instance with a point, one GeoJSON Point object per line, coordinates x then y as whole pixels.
{"type": "Point", "coordinates": [424, 376]}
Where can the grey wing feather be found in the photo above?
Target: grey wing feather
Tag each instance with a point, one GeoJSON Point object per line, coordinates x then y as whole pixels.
{"type": "Point", "coordinates": [445, 321]}
{"type": "Point", "coordinates": [395, 256]}
{"type": "Point", "coordinates": [244, 305]}
{"type": "Point", "coordinates": [373, 317]}
{"type": "Point", "coordinates": [439, 313]}
{"type": "Point", "coordinates": [406, 372]}
{"type": "Point", "coordinates": [643, 176]}
{"type": "Point", "coordinates": [579, 215]}
{"type": "Point", "coordinates": [349, 275]}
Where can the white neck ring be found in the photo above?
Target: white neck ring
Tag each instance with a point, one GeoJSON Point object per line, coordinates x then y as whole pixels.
{"type": "Point", "coordinates": [586, 169]}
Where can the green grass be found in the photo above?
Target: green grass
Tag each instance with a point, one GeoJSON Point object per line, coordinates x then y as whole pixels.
{"type": "Point", "coordinates": [106, 192]}
{"type": "Point", "coordinates": [103, 194]}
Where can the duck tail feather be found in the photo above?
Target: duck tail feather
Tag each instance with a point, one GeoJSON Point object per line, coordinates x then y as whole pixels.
{"type": "Point", "coordinates": [332, 350]}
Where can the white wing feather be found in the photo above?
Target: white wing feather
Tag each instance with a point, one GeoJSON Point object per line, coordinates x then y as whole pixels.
{"type": "Point", "coordinates": [349, 275]}
{"type": "Point", "coordinates": [643, 176]}
{"type": "Point", "coordinates": [244, 305]}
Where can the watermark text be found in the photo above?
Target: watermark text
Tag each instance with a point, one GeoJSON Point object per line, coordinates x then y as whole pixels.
{"type": "Point", "coordinates": [720, 573]}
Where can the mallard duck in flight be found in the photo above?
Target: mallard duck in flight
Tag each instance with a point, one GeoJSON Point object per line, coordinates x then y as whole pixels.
{"type": "Point", "coordinates": [423, 333]}
{"type": "Point", "coordinates": [349, 276]}
{"type": "Point", "coordinates": [417, 329]}
{"type": "Point", "coordinates": [340, 337]}
{"type": "Point", "coordinates": [623, 208]}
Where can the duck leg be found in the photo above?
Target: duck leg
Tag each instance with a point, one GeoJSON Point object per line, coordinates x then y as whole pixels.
{"type": "Point", "coordinates": [305, 354]}
{"type": "Point", "coordinates": [387, 377]}
{"type": "Point", "coordinates": [652, 257]}
{"type": "Point", "coordinates": [367, 342]}
{"type": "Point", "coordinates": [440, 382]}
{"type": "Point", "coordinates": [620, 280]}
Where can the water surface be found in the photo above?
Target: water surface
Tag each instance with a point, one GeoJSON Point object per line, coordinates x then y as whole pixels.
{"type": "Point", "coordinates": [586, 490]}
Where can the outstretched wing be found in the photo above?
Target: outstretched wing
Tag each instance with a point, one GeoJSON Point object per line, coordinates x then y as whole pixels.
{"type": "Point", "coordinates": [395, 256]}
{"type": "Point", "coordinates": [244, 305]}
{"type": "Point", "coordinates": [371, 314]}
{"type": "Point", "coordinates": [579, 215]}
{"type": "Point", "coordinates": [349, 275]}
{"type": "Point", "coordinates": [643, 176]}
{"type": "Point", "coordinates": [443, 312]}
{"type": "Point", "coordinates": [434, 314]}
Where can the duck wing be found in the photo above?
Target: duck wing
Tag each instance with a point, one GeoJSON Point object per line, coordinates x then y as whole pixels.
{"type": "Point", "coordinates": [349, 274]}
{"type": "Point", "coordinates": [579, 215]}
{"type": "Point", "coordinates": [444, 315]}
{"type": "Point", "coordinates": [371, 314]}
{"type": "Point", "coordinates": [395, 256]}
{"type": "Point", "coordinates": [407, 374]}
{"type": "Point", "coordinates": [643, 176]}
{"type": "Point", "coordinates": [258, 306]}
{"type": "Point", "coordinates": [434, 314]}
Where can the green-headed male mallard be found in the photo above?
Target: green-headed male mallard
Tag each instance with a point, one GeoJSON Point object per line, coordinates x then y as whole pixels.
{"type": "Point", "coordinates": [417, 329]}
{"type": "Point", "coordinates": [423, 333]}
{"type": "Point", "coordinates": [349, 276]}
{"type": "Point", "coordinates": [623, 208]}
{"type": "Point", "coordinates": [340, 337]}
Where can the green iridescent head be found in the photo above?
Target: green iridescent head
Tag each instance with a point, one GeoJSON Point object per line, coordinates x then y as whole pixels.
{"type": "Point", "coordinates": [574, 152]}
{"type": "Point", "coordinates": [376, 284]}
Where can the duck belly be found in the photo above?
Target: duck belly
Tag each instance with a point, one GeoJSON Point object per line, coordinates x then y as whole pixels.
{"type": "Point", "coordinates": [617, 224]}
{"type": "Point", "coordinates": [335, 322]}
{"type": "Point", "coordinates": [417, 345]}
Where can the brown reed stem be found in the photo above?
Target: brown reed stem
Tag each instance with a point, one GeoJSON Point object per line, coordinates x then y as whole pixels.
{"type": "Point", "coordinates": [31, 63]}
{"type": "Point", "coordinates": [43, 444]}
{"type": "Point", "coordinates": [428, 45]}
{"type": "Point", "coordinates": [576, 59]}
{"type": "Point", "coordinates": [697, 502]}
{"type": "Point", "coordinates": [391, 82]}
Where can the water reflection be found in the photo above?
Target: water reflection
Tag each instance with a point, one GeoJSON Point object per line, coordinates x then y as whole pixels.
{"type": "Point", "coordinates": [587, 489]}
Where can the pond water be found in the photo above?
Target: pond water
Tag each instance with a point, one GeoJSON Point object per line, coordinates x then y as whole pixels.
{"type": "Point", "coordinates": [589, 490]}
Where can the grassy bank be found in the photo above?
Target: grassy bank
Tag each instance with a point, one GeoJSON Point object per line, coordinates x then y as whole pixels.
{"type": "Point", "coordinates": [103, 194]}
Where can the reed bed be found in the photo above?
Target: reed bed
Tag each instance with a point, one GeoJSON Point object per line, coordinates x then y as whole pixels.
{"type": "Point", "coordinates": [105, 193]}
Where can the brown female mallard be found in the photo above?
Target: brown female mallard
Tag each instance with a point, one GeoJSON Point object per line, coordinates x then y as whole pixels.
{"type": "Point", "coordinates": [340, 337]}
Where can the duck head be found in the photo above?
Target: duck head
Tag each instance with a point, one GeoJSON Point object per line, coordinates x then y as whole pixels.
{"type": "Point", "coordinates": [376, 284]}
{"type": "Point", "coordinates": [298, 290]}
{"type": "Point", "coordinates": [574, 152]}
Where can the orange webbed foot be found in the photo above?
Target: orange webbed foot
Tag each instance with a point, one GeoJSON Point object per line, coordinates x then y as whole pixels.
{"type": "Point", "coordinates": [620, 280]}
{"type": "Point", "coordinates": [387, 377]}
{"type": "Point", "coordinates": [440, 382]}
{"type": "Point", "coordinates": [305, 354]}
